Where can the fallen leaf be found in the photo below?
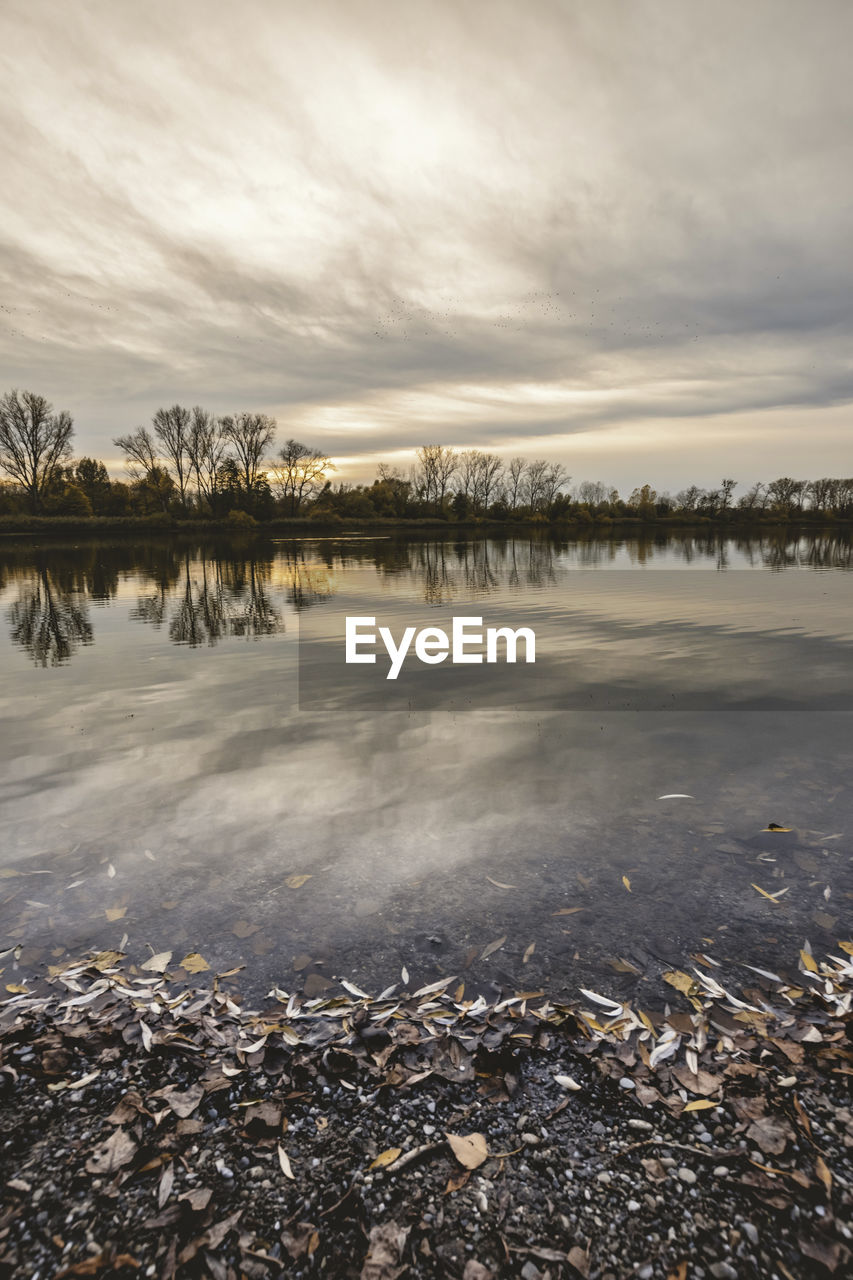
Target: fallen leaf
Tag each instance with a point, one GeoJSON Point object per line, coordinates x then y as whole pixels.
{"type": "Point", "coordinates": [808, 961]}
{"type": "Point", "coordinates": [470, 1149]}
{"type": "Point", "coordinates": [296, 882]}
{"type": "Point", "coordinates": [499, 884]}
{"type": "Point", "coordinates": [492, 948]}
{"type": "Point", "coordinates": [700, 1104]}
{"type": "Point", "coordinates": [386, 1158]}
{"type": "Point", "coordinates": [528, 953]}
{"type": "Point", "coordinates": [566, 1082]}
{"type": "Point", "coordinates": [157, 963]}
{"type": "Point", "coordinates": [164, 1190]}
{"type": "Point", "coordinates": [243, 929]}
{"type": "Point", "coordinates": [821, 1168]}
{"type": "Point", "coordinates": [567, 911]}
{"type": "Point", "coordinates": [627, 883]}
{"type": "Point", "coordinates": [385, 1252]}
{"type": "Point", "coordinates": [194, 963]}
{"type": "Point", "coordinates": [115, 913]}
{"type": "Point", "coordinates": [680, 980]}
{"type": "Point", "coordinates": [285, 1164]}
{"type": "Point", "coordinates": [118, 1150]}
{"type": "Point", "coordinates": [770, 1133]}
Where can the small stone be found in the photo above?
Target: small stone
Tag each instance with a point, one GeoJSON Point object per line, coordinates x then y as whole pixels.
{"type": "Point", "coordinates": [530, 1139]}
{"type": "Point", "coordinates": [688, 1176]}
{"type": "Point", "coordinates": [633, 1206]}
{"type": "Point", "coordinates": [751, 1232]}
{"type": "Point", "coordinates": [640, 1124]}
{"type": "Point", "coordinates": [646, 1272]}
{"type": "Point", "coordinates": [530, 1271]}
{"type": "Point", "coordinates": [627, 1083]}
{"type": "Point", "coordinates": [604, 1177]}
{"type": "Point", "coordinates": [723, 1271]}
{"type": "Point", "coordinates": [721, 1171]}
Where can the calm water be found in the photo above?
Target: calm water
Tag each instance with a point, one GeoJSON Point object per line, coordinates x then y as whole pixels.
{"type": "Point", "coordinates": [175, 759]}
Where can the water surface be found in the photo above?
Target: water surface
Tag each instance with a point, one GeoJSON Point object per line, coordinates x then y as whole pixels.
{"type": "Point", "coordinates": [171, 770]}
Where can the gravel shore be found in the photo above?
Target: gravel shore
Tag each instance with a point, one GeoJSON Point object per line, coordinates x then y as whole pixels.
{"type": "Point", "coordinates": [152, 1130]}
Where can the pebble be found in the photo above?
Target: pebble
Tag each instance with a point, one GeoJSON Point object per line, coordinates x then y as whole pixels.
{"type": "Point", "coordinates": [751, 1232]}
{"type": "Point", "coordinates": [640, 1124]}
{"type": "Point", "coordinates": [721, 1171]}
{"type": "Point", "coordinates": [723, 1271]}
{"type": "Point", "coordinates": [633, 1206]}
{"type": "Point", "coordinates": [646, 1272]}
{"type": "Point", "coordinates": [688, 1176]}
{"type": "Point", "coordinates": [530, 1139]}
{"type": "Point", "coordinates": [627, 1083]}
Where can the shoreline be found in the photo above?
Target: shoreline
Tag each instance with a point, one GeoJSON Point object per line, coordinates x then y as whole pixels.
{"type": "Point", "coordinates": [165, 1129]}
{"type": "Point", "coordinates": [306, 526]}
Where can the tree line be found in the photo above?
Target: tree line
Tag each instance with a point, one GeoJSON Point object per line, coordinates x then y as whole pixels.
{"type": "Point", "coordinates": [191, 463]}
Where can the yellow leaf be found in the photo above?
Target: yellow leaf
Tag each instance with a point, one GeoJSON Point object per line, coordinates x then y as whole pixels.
{"type": "Point", "coordinates": [157, 963]}
{"type": "Point", "coordinates": [17, 989]}
{"type": "Point", "coordinates": [847, 946]}
{"type": "Point", "coordinates": [115, 913]}
{"type": "Point", "coordinates": [386, 1158]}
{"type": "Point", "coordinates": [528, 953]}
{"type": "Point", "coordinates": [822, 1170]}
{"type": "Point", "coordinates": [763, 892]}
{"type": "Point", "coordinates": [700, 1104]}
{"type": "Point", "coordinates": [194, 963]}
{"type": "Point", "coordinates": [627, 883]}
{"type": "Point", "coordinates": [296, 882]}
{"type": "Point", "coordinates": [680, 980]}
{"type": "Point", "coordinates": [774, 826]}
{"type": "Point", "coordinates": [567, 911]}
{"type": "Point", "coordinates": [808, 962]}
{"type": "Point", "coordinates": [470, 1149]}
{"type": "Point", "coordinates": [500, 885]}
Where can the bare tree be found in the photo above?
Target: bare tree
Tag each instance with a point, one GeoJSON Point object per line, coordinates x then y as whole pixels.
{"type": "Point", "coordinates": [727, 488]}
{"type": "Point", "coordinates": [489, 475]}
{"type": "Point", "coordinates": [515, 483]}
{"type": "Point", "coordinates": [34, 441]}
{"type": "Point", "coordinates": [555, 479]}
{"type": "Point", "coordinates": [140, 452]}
{"type": "Point", "coordinates": [438, 464]}
{"type": "Point", "coordinates": [467, 470]}
{"type": "Point", "coordinates": [300, 472]}
{"type": "Point", "coordinates": [172, 429]}
{"type": "Point", "coordinates": [592, 492]}
{"type": "Point", "coordinates": [205, 450]}
{"type": "Point", "coordinates": [535, 482]}
{"type": "Point", "coordinates": [250, 435]}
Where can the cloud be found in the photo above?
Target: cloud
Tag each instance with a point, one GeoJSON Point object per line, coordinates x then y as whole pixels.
{"type": "Point", "coordinates": [478, 223]}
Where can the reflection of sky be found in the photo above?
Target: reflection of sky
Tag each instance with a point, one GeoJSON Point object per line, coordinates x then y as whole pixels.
{"type": "Point", "coordinates": [200, 757]}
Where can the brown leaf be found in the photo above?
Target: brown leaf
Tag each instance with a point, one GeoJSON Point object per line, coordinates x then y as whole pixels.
{"type": "Point", "coordinates": [385, 1252]}
{"type": "Point", "coordinates": [263, 1117]}
{"type": "Point", "coordinates": [701, 1082]}
{"type": "Point", "coordinates": [296, 882]}
{"type": "Point", "coordinates": [653, 1167]}
{"type": "Point", "coordinates": [821, 1168]}
{"type": "Point", "coordinates": [183, 1103]}
{"type": "Point", "coordinates": [492, 948]}
{"type": "Point", "coordinates": [457, 1181]}
{"type": "Point", "coordinates": [244, 929]}
{"type": "Point", "coordinates": [470, 1149]}
{"type": "Point", "coordinates": [828, 1253]}
{"type": "Point", "coordinates": [579, 1260]}
{"type": "Point", "coordinates": [198, 1199]}
{"type": "Point", "coordinates": [118, 1150]}
{"type": "Point", "coordinates": [194, 963]}
{"type": "Point", "coordinates": [167, 1179]}
{"type": "Point", "coordinates": [770, 1133]}
{"type": "Point", "coordinates": [386, 1158]}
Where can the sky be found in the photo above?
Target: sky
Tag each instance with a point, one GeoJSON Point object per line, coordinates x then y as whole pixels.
{"type": "Point", "coordinates": [616, 235]}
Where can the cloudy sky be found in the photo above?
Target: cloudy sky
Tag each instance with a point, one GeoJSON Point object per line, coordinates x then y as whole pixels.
{"type": "Point", "coordinates": [614, 234]}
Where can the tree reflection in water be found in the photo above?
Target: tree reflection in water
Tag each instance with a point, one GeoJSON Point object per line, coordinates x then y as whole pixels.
{"type": "Point", "coordinates": [48, 620]}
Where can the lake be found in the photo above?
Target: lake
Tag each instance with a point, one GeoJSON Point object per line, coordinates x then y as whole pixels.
{"type": "Point", "coordinates": [189, 766]}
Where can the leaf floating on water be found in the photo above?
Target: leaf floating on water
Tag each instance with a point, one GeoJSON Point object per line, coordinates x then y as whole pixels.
{"type": "Point", "coordinates": [111, 871]}
{"type": "Point", "coordinates": [774, 826]}
{"type": "Point", "coordinates": [500, 885]}
{"type": "Point", "coordinates": [194, 963]}
{"type": "Point", "coordinates": [114, 913]}
{"type": "Point", "coordinates": [773, 897]}
{"type": "Point", "coordinates": [243, 929]}
{"type": "Point", "coordinates": [847, 947]}
{"type": "Point", "coordinates": [492, 948]}
{"type": "Point", "coordinates": [676, 795]}
{"type": "Point", "coordinates": [604, 1001]}
{"type": "Point", "coordinates": [808, 961]}
{"type": "Point", "coordinates": [567, 911]}
{"type": "Point", "coordinates": [528, 953]}
{"type": "Point", "coordinates": [470, 1149]}
{"type": "Point", "coordinates": [296, 882]}
{"type": "Point", "coordinates": [386, 1158]}
{"type": "Point", "coordinates": [627, 883]}
{"type": "Point", "coordinates": [404, 974]}
{"type": "Point", "coordinates": [157, 963]}
{"type": "Point", "coordinates": [285, 1164]}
